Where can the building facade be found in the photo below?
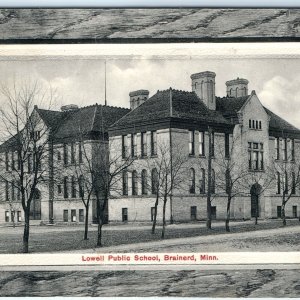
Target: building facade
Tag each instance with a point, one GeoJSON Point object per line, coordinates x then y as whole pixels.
{"type": "Point", "coordinates": [260, 149]}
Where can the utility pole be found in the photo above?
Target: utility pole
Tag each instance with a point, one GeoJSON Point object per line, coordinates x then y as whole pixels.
{"type": "Point", "coordinates": [208, 221]}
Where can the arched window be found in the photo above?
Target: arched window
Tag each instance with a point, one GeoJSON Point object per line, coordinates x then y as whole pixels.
{"type": "Point", "coordinates": [66, 192]}
{"type": "Point", "coordinates": [202, 181]}
{"type": "Point", "coordinates": [192, 181]}
{"type": "Point", "coordinates": [134, 183]}
{"type": "Point", "coordinates": [230, 92]}
{"type": "Point", "coordinates": [81, 186]}
{"type": "Point", "coordinates": [201, 89]}
{"type": "Point", "coordinates": [213, 181]}
{"type": "Point", "coordinates": [236, 91]}
{"type": "Point", "coordinates": [144, 183]}
{"type": "Point", "coordinates": [73, 183]}
{"type": "Point", "coordinates": [125, 182]}
{"type": "Point", "coordinates": [154, 181]}
{"type": "Point", "coordinates": [285, 182]}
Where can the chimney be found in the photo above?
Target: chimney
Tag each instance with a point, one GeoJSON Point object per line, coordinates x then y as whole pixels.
{"type": "Point", "coordinates": [137, 98]}
{"type": "Point", "coordinates": [203, 84]}
{"type": "Point", "coordinates": [237, 87]}
{"type": "Point", "coordinates": [69, 107]}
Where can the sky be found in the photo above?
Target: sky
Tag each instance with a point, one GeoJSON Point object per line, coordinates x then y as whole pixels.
{"type": "Point", "coordinates": [81, 81]}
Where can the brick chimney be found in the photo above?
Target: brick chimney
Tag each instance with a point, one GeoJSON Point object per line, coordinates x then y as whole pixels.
{"type": "Point", "coordinates": [137, 98]}
{"type": "Point", "coordinates": [203, 84]}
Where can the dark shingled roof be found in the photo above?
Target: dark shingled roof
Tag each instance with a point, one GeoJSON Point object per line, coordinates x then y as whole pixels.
{"type": "Point", "coordinates": [229, 106]}
{"type": "Point", "coordinates": [185, 105]}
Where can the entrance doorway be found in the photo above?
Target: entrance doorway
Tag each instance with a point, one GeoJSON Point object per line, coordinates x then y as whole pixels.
{"type": "Point", "coordinates": [35, 207]}
{"type": "Point", "coordinates": [255, 192]}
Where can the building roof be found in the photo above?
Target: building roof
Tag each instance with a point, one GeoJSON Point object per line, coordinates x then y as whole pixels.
{"type": "Point", "coordinates": [171, 104]}
{"type": "Point", "coordinates": [229, 107]}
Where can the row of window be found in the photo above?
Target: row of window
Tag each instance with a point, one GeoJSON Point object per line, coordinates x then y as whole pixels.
{"type": "Point", "coordinates": [69, 157]}
{"type": "Point", "coordinates": [143, 144]}
{"type": "Point", "coordinates": [294, 211]}
{"type": "Point", "coordinates": [152, 213]}
{"type": "Point", "coordinates": [283, 183]}
{"type": "Point", "coordinates": [73, 215]}
{"type": "Point", "coordinates": [75, 186]}
{"type": "Point", "coordinates": [10, 218]}
{"type": "Point", "coordinates": [287, 154]}
{"type": "Point", "coordinates": [154, 186]}
{"type": "Point", "coordinates": [201, 143]}
{"type": "Point", "coordinates": [254, 124]}
{"type": "Point", "coordinates": [33, 160]}
{"type": "Point", "coordinates": [12, 191]}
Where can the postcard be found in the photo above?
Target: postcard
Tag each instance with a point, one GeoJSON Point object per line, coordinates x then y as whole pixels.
{"type": "Point", "coordinates": [167, 161]}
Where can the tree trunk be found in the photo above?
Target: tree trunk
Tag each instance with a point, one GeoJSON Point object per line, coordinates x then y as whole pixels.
{"type": "Point", "coordinates": [155, 215]}
{"type": "Point", "coordinates": [228, 214]}
{"type": "Point", "coordinates": [100, 223]}
{"type": "Point", "coordinates": [26, 232]}
{"type": "Point", "coordinates": [164, 218]}
{"type": "Point", "coordinates": [13, 213]}
{"type": "Point", "coordinates": [256, 210]}
{"type": "Point", "coordinates": [283, 214]}
{"type": "Point", "coordinates": [86, 224]}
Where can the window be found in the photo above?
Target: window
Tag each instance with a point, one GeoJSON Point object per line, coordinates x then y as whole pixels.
{"type": "Point", "coordinates": [227, 145]}
{"type": "Point", "coordinates": [153, 143]}
{"type": "Point", "coordinates": [73, 184]}
{"type": "Point", "coordinates": [154, 181]}
{"type": "Point", "coordinates": [278, 211]}
{"type": "Point", "coordinates": [253, 124]}
{"type": "Point", "coordinates": [35, 135]}
{"type": "Point", "coordinates": [18, 190]}
{"type": "Point", "coordinates": [6, 190]}
{"type": "Point", "coordinates": [295, 211]}
{"type": "Point", "coordinates": [228, 181]}
{"type": "Point", "coordinates": [250, 124]}
{"type": "Point", "coordinates": [144, 183]}
{"type": "Point", "coordinates": [65, 154]}
{"type": "Point", "coordinates": [81, 215]}
{"type": "Point", "coordinates": [193, 213]}
{"type": "Point", "coordinates": [285, 184]}
{"type": "Point", "coordinates": [293, 191]}
{"type": "Point", "coordinates": [192, 181]}
{"type": "Point", "coordinates": [13, 191]}
{"type": "Point", "coordinates": [202, 181]}
{"type": "Point", "coordinates": [255, 156]}
{"type": "Point", "coordinates": [124, 214]}
{"type": "Point", "coordinates": [66, 193]}
{"type": "Point", "coordinates": [81, 186]}
{"type": "Point", "coordinates": [277, 150]}
{"type": "Point", "coordinates": [152, 213]}
{"type": "Point", "coordinates": [213, 212]}
{"type": "Point", "coordinates": [201, 144]}
{"type": "Point", "coordinates": [125, 183]}
{"type": "Point", "coordinates": [133, 145]}
{"type": "Point", "coordinates": [80, 152]}
{"type": "Point", "coordinates": [292, 146]}
{"type": "Point", "coordinates": [19, 160]}
{"type": "Point", "coordinates": [12, 161]}
{"type": "Point", "coordinates": [19, 216]}
{"type": "Point", "coordinates": [143, 144]}
{"type": "Point", "coordinates": [66, 215]}
{"type": "Point", "coordinates": [278, 183]}
{"type": "Point", "coordinates": [284, 149]}
{"type": "Point", "coordinates": [259, 125]}
{"type": "Point", "coordinates": [256, 124]}
{"type": "Point", "coordinates": [58, 155]}
{"type": "Point", "coordinates": [124, 146]}
{"type": "Point", "coordinates": [6, 162]}
{"type": "Point", "coordinates": [134, 183]}
{"type": "Point", "coordinates": [72, 154]}
{"type": "Point", "coordinates": [213, 181]}
{"type": "Point", "coordinates": [191, 142]}
{"type": "Point", "coordinates": [7, 216]}
{"type": "Point", "coordinates": [212, 144]}
{"type": "Point", "coordinates": [59, 189]}
{"type": "Point", "coordinates": [73, 215]}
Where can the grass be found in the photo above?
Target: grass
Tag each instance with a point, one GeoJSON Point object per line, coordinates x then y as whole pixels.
{"type": "Point", "coordinates": [52, 239]}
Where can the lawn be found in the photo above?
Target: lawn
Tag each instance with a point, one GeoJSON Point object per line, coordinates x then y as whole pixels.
{"type": "Point", "coordinates": [64, 238]}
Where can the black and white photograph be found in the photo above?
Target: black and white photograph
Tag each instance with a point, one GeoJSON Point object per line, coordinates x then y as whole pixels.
{"type": "Point", "coordinates": [150, 169]}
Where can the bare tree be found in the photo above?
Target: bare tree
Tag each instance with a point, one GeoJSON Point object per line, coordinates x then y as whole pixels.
{"type": "Point", "coordinates": [168, 171]}
{"type": "Point", "coordinates": [25, 153]}
{"type": "Point", "coordinates": [286, 172]}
